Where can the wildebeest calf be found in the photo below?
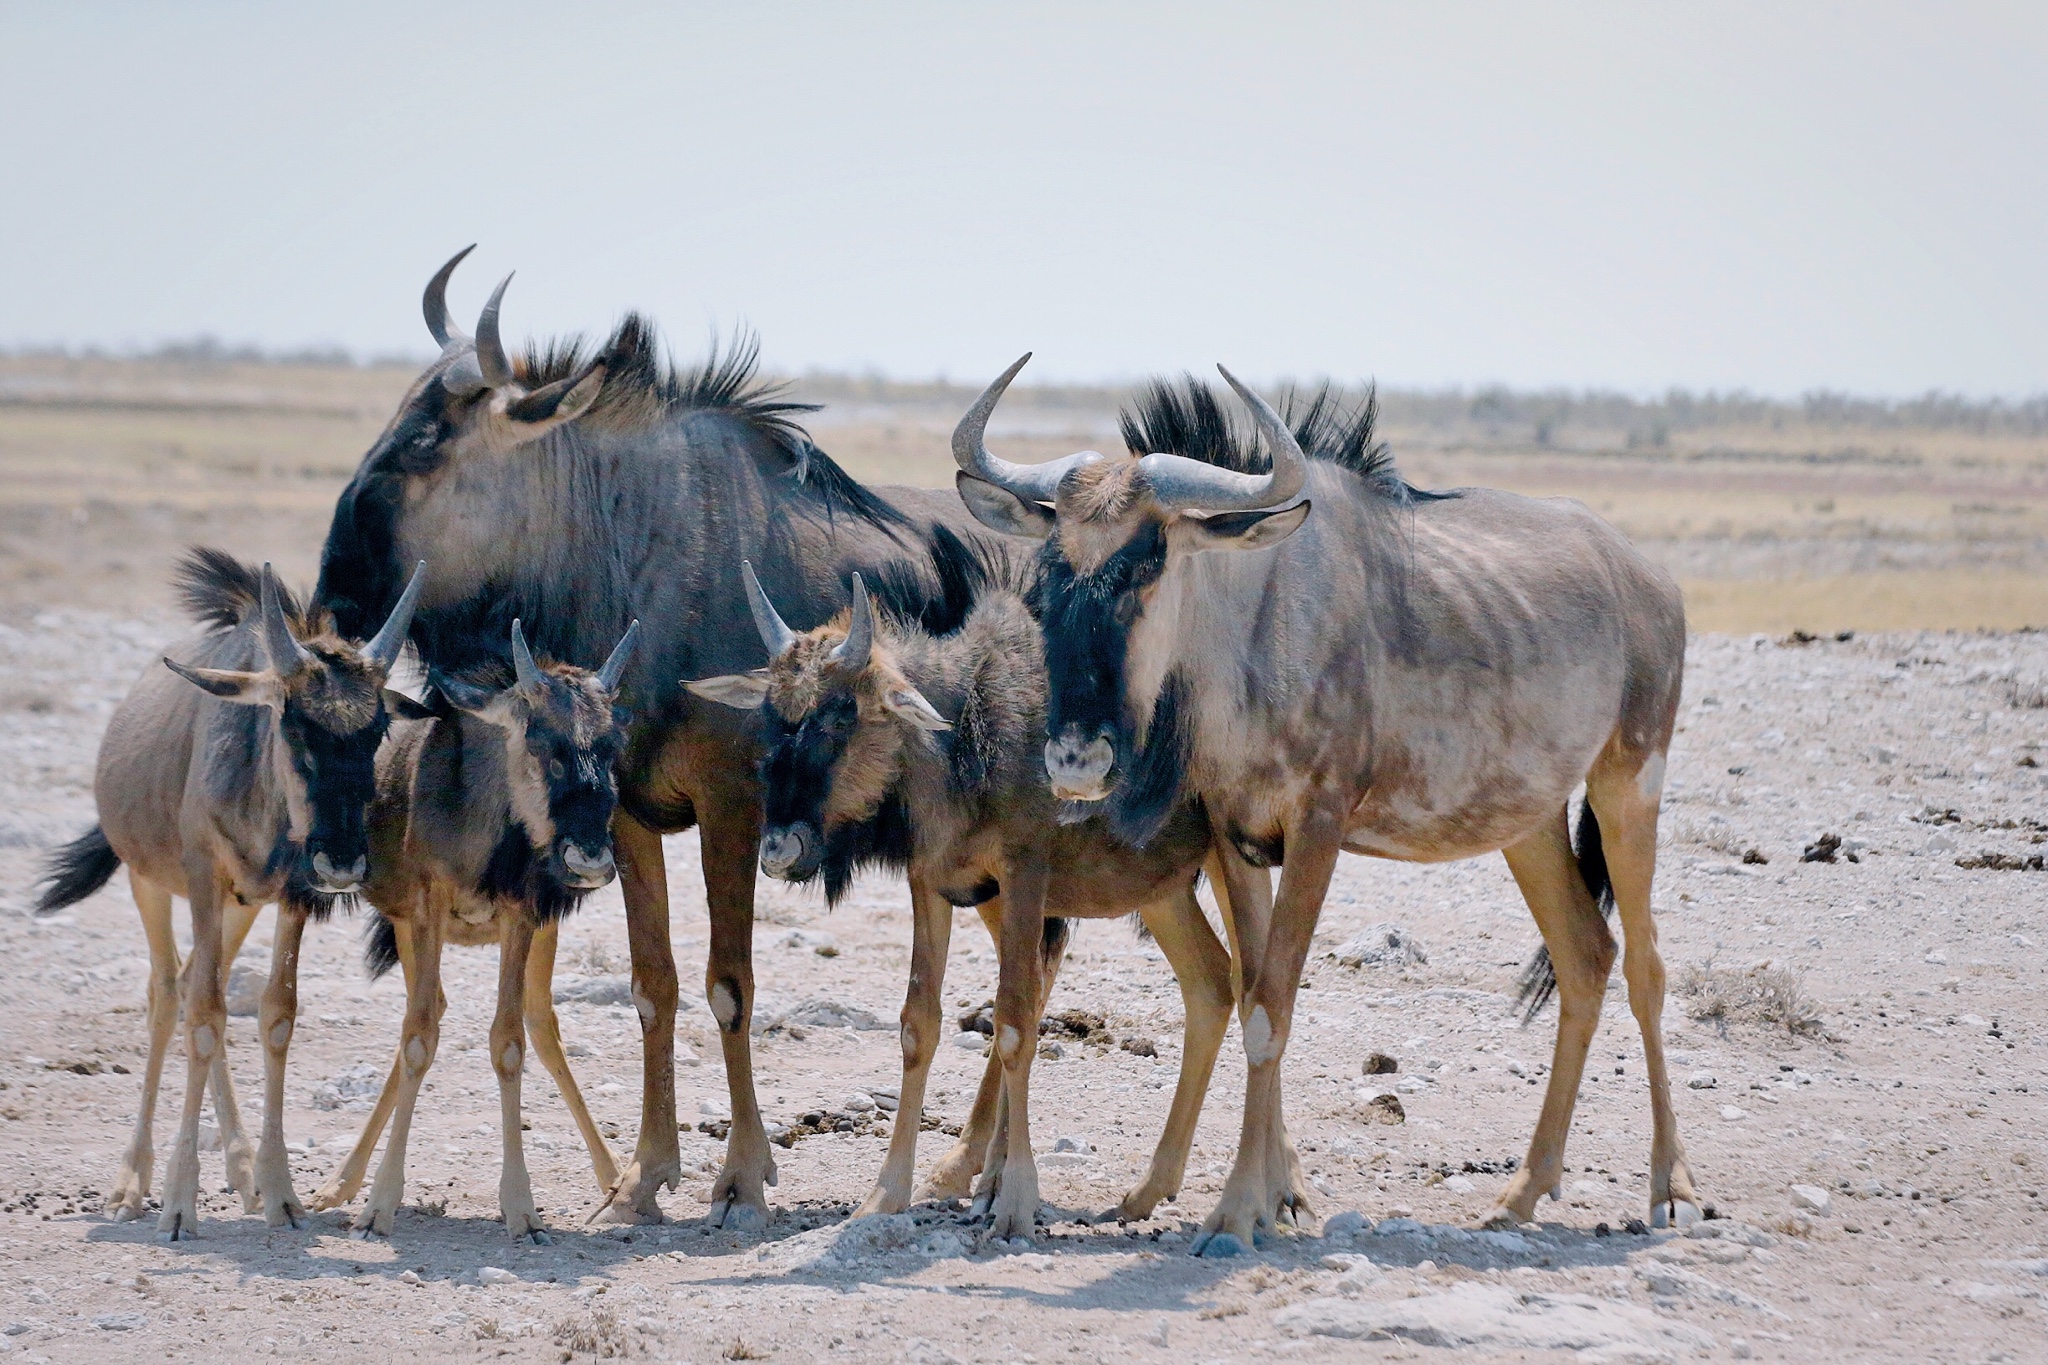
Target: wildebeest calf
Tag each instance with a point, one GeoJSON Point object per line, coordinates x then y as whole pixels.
{"type": "Point", "coordinates": [492, 821]}
{"type": "Point", "coordinates": [856, 716]}
{"type": "Point", "coordinates": [243, 784]}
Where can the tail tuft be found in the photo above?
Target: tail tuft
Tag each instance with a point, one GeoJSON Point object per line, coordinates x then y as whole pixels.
{"type": "Point", "coordinates": [380, 947]}
{"type": "Point", "coordinates": [1539, 978]}
{"type": "Point", "coordinates": [76, 870]}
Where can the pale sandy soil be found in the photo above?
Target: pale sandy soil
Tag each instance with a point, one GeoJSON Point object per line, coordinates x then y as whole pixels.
{"type": "Point", "coordinates": [1917, 1102]}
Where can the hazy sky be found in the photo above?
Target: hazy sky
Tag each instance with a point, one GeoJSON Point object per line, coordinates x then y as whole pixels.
{"type": "Point", "coordinates": [1774, 196]}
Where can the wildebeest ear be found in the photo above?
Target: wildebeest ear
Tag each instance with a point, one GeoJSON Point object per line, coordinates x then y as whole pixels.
{"type": "Point", "coordinates": [244, 689]}
{"type": "Point", "coordinates": [562, 401]}
{"type": "Point", "coordinates": [744, 691]}
{"type": "Point", "coordinates": [404, 707]}
{"type": "Point", "coordinates": [910, 704]}
{"type": "Point", "coordinates": [1001, 510]}
{"type": "Point", "coordinates": [464, 696]}
{"type": "Point", "coordinates": [1238, 530]}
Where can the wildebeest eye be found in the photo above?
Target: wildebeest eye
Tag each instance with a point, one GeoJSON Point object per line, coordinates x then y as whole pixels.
{"type": "Point", "coordinates": [555, 769]}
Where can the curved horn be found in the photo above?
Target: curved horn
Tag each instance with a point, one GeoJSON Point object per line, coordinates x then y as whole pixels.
{"type": "Point", "coordinates": [774, 633]}
{"type": "Point", "coordinates": [614, 670]}
{"type": "Point", "coordinates": [490, 350]}
{"type": "Point", "coordinates": [852, 652]}
{"type": "Point", "coordinates": [382, 650]}
{"type": "Point", "coordinates": [434, 303]}
{"type": "Point", "coordinates": [1179, 482]}
{"type": "Point", "coordinates": [287, 655]}
{"type": "Point", "coordinates": [1038, 482]}
{"type": "Point", "coordinates": [524, 668]}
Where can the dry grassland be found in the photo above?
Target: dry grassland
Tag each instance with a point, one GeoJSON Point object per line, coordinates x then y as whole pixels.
{"type": "Point", "coordinates": [1780, 521]}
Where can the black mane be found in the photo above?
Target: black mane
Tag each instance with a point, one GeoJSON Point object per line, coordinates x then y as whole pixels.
{"type": "Point", "coordinates": [1187, 417]}
{"type": "Point", "coordinates": [219, 590]}
{"type": "Point", "coordinates": [643, 385]}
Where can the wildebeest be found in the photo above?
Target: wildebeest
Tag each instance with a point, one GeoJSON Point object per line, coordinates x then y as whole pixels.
{"type": "Point", "coordinates": [863, 712]}
{"type": "Point", "coordinates": [1409, 675]}
{"type": "Point", "coordinates": [242, 784]}
{"type": "Point", "coordinates": [492, 821]}
{"type": "Point", "coordinates": [579, 492]}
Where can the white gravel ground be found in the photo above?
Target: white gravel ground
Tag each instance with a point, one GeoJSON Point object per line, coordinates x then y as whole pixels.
{"type": "Point", "coordinates": [1913, 1110]}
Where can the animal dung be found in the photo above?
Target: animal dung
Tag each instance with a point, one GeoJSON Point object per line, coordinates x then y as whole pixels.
{"type": "Point", "coordinates": [1381, 1064]}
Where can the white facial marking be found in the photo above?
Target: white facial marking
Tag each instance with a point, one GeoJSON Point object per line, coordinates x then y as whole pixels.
{"type": "Point", "coordinates": [1650, 781]}
{"type": "Point", "coordinates": [645, 1007]}
{"type": "Point", "coordinates": [725, 1006]}
{"type": "Point", "coordinates": [1010, 1041]}
{"type": "Point", "coordinates": [509, 1060]}
{"type": "Point", "coordinates": [280, 1034]}
{"type": "Point", "coordinates": [1259, 1047]}
{"type": "Point", "coordinates": [415, 1053]}
{"type": "Point", "coordinates": [202, 1040]}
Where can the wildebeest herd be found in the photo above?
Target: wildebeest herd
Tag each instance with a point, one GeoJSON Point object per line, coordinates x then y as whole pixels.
{"type": "Point", "coordinates": [645, 601]}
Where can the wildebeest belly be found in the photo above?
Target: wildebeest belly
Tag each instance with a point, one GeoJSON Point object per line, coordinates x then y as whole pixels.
{"type": "Point", "coordinates": [1450, 785]}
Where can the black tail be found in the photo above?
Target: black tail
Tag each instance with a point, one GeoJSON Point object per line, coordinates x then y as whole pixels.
{"type": "Point", "coordinates": [1539, 978]}
{"type": "Point", "coordinates": [380, 947]}
{"type": "Point", "coordinates": [1053, 946]}
{"type": "Point", "coordinates": [77, 870]}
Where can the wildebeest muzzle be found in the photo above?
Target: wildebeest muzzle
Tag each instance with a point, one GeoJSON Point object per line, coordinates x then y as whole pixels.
{"type": "Point", "coordinates": [586, 869]}
{"type": "Point", "coordinates": [791, 852]}
{"type": "Point", "coordinates": [1079, 765]}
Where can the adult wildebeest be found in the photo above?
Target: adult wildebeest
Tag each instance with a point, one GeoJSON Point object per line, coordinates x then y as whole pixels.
{"type": "Point", "coordinates": [855, 714]}
{"type": "Point", "coordinates": [243, 784]}
{"type": "Point", "coordinates": [581, 492]}
{"type": "Point", "coordinates": [492, 821]}
{"type": "Point", "coordinates": [1410, 675]}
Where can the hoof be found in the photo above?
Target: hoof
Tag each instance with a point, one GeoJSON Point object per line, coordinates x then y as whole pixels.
{"type": "Point", "coordinates": [1677, 1213]}
{"type": "Point", "coordinates": [734, 1216]}
{"type": "Point", "coordinates": [539, 1237]}
{"type": "Point", "coordinates": [1498, 1219]}
{"type": "Point", "coordinates": [124, 1212]}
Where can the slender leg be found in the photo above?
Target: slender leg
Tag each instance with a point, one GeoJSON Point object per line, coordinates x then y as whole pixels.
{"type": "Point", "coordinates": [1245, 895]}
{"type": "Point", "coordinates": [546, 1032]}
{"type": "Point", "coordinates": [1628, 825]}
{"type": "Point", "coordinates": [206, 1018]}
{"type": "Point", "coordinates": [128, 1198]}
{"type": "Point", "coordinates": [1019, 1000]}
{"type": "Point", "coordinates": [508, 1058]}
{"type": "Point", "coordinates": [930, 936]}
{"type": "Point", "coordinates": [276, 1018]}
{"type": "Point", "coordinates": [1257, 1188]}
{"type": "Point", "coordinates": [345, 1182]}
{"type": "Point", "coordinates": [968, 1157]}
{"type": "Point", "coordinates": [657, 1159]}
{"type": "Point", "coordinates": [1582, 952]}
{"type": "Point", "coordinates": [236, 921]}
{"type": "Point", "coordinates": [421, 1036]}
{"type": "Point", "coordinates": [731, 835]}
{"type": "Point", "coordinates": [1202, 969]}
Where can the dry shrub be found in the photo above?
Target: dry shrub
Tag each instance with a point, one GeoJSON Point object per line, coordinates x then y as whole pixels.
{"type": "Point", "coordinates": [596, 1331]}
{"type": "Point", "coordinates": [741, 1349]}
{"type": "Point", "coordinates": [1773, 996]}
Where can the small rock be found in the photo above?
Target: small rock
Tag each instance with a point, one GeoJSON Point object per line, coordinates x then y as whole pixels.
{"type": "Point", "coordinates": [594, 990]}
{"type": "Point", "coordinates": [1812, 1198]}
{"type": "Point", "coordinates": [1382, 945]}
{"type": "Point", "coordinates": [1936, 958]}
{"type": "Point", "coordinates": [1157, 1336]}
{"type": "Point", "coordinates": [1385, 1109]}
{"type": "Point", "coordinates": [860, 1102]}
{"type": "Point", "coordinates": [972, 1042]}
{"type": "Point", "coordinates": [246, 981]}
{"type": "Point", "coordinates": [1701, 1080]}
{"type": "Point", "coordinates": [350, 1087]}
{"type": "Point", "coordinates": [1397, 1227]}
{"type": "Point", "coordinates": [886, 1101]}
{"type": "Point", "coordinates": [1073, 1144]}
{"type": "Point", "coordinates": [409, 1277]}
{"type": "Point", "coordinates": [120, 1322]}
{"type": "Point", "coordinates": [1349, 1223]}
{"type": "Point", "coordinates": [1732, 1114]}
{"type": "Point", "coordinates": [1518, 1068]}
{"type": "Point", "coordinates": [1458, 1184]}
{"type": "Point", "coordinates": [491, 1274]}
{"type": "Point", "coordinates": [1381, 1064]}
